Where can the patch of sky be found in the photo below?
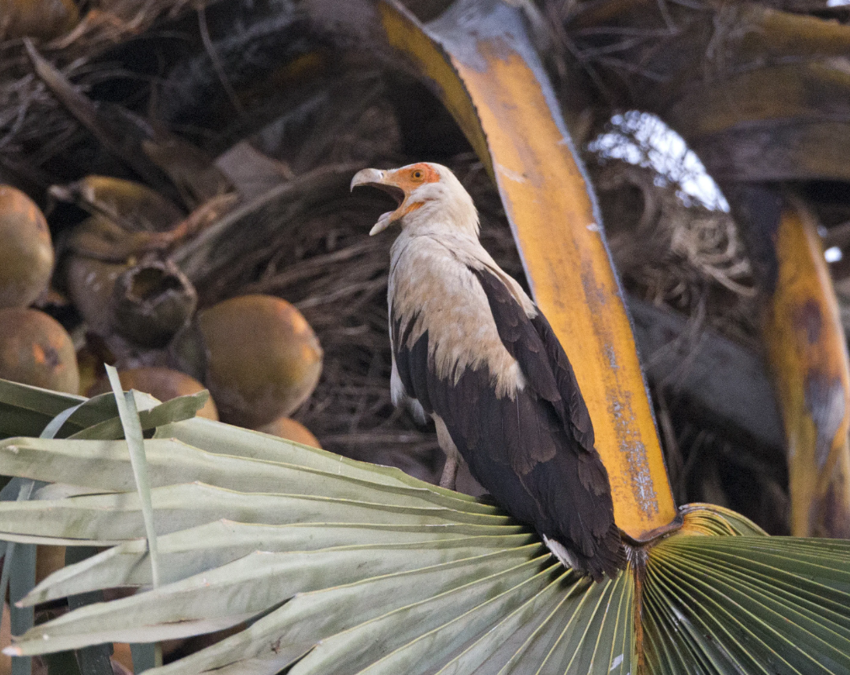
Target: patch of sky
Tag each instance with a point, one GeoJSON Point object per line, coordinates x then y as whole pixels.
{"type": "Point", "coordinates": [837, 3]}
{"type": "Point", "coordinates": [643, 139]}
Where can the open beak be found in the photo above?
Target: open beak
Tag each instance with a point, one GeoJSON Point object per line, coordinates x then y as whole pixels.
{"type": "Point", "coordinates": [383, 180]}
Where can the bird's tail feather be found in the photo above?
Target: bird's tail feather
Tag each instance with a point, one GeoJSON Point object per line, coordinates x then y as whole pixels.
{"type": "Point", "coordinates": [609, 559]}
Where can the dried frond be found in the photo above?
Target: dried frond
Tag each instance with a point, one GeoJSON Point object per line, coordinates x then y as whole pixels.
{"type": "Point", "coordinates": [686, 256]}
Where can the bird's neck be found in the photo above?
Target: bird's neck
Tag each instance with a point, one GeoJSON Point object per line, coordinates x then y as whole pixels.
{"type": "Point", "coordinates": [452, 244]}
{"type": "Point", "coordinates": [442, 217]}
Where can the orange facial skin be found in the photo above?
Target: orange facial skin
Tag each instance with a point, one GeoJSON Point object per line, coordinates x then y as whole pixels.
{"type": "Point", "coordinates": [409, 178]}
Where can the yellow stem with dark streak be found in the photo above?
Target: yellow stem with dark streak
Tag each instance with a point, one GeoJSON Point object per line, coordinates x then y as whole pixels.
{"type": "Point", "coordinates": [807, 351]}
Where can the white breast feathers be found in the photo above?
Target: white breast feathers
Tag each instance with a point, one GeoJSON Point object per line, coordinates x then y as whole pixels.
{"type": "Point", "coordinates": [431, 284]}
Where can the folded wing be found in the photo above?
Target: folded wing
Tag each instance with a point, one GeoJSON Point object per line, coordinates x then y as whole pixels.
{"type": "Point", "coordinates": [532, 448]}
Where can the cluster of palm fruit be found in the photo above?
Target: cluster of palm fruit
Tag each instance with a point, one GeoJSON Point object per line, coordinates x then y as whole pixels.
{"type": "Point", "coordinates": [34, 348]}
{"type": "Point", "coordinates": [256, 354]}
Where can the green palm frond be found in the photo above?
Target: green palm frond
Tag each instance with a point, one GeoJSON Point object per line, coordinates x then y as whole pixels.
{"type": "Point", "coordinates": [26, 411]}
{"type": "Point", "coordinates": [328, 565]}
{"type": "Point", "coordinates": [751, 605]}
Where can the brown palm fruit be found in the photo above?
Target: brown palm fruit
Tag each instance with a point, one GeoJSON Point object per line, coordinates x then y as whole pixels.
{"type": "Point", "coordinates": [36, 350]}
{"type": "Point", "coordinates": [125, 213]}
{"type": "Point", "coordinates": [45, 20]}
{"type": "Point", "coordinates": [90, 284]}
{"type": "Point", "coordinates": [26, 252]}
{"type": "Point", "coordinates": [5, 639]}
{"type": "Point", "coordinates": [263, 359]}
{"type": "Point", "coordinates": [288, 428]}
{"type": "Point", "coordinates": [90, 359]}
{"type": "Point", "coordinates": [162, 383]}
{"type": "Point", "coordinates": [122, 656]}
{"type": "Point", "coordinates": [48, 559]}
{"type": "Point", "coordinates": [151, 302]}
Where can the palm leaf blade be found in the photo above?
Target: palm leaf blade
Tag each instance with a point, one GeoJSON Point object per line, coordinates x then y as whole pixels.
{"type": "Point", "coordinates": [576, 649]}
{"type": "Point", "coordinates": [26, 410]}
{"type": "Point", "coordinates": [245, 587]}
{"type": "Point", "coordinates": [759, 605]}
{"type": "Point", "coordinates": [100, 519]}
{"type": "Point", "coordinates": [224, 439]}
{"type": "Point", "coordinates": [316, 615]}
{"type": "Point", "coordinates": [106, 465]}
{"type": "Point", "coordinates": [433, 626]}
{"type": "Point", "coordinates": [497, 646]}
{"type": "Point", "coordinates": [539, 645]}
{"type": "Point", "coordinates": [189, 552]}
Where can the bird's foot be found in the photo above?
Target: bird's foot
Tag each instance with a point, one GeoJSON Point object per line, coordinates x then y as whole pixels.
{"type": "Point", "coordinates": [449, 477]}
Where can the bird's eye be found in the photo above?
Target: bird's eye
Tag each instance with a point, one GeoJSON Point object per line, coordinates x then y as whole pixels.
{"type": "Point", "coordinates": [417, 174]}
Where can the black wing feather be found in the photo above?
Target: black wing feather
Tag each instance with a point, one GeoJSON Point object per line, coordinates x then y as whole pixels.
{"type": "Point", "coordinates": [520, 336]}
{"type": "Point", "coordinates": [575, 409]}
{"type": "Point", "coordinates": [533, 343]}
{"type": "Point", "coordinates": [413, 366]}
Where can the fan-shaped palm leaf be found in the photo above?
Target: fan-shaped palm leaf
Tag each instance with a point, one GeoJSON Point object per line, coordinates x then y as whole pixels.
{"type": "Point", "coordinates": [336, 566]}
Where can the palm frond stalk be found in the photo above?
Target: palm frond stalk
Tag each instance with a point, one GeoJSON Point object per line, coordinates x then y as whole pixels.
{"type": "Point", "coordinates": [806, 349]}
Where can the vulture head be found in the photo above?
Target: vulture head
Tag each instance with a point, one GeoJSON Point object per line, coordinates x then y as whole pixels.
{"type": "Point", "coordinates": [429, 197]}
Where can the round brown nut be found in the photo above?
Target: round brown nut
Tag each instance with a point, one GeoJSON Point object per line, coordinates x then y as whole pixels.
{"type": "Point", "coordinates": [91, 285]}
{"type": "Point", "coordinates": [263, 359]}
{"type": "Point", "coordinates": [26, 254]}
{"type": "Point", "coordinates": [42, 20]}
{"type": "Point", "coordinates": [36, 350]}
{"type": "Point", "coordinates": [288, 428]}
{"type": "Point", "coordinates": [151, 302]}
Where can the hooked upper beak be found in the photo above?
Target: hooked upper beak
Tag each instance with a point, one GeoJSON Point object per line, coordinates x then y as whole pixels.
{"type": "Point", "coordinates": [383, 180]}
